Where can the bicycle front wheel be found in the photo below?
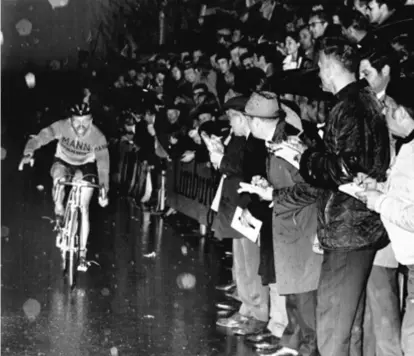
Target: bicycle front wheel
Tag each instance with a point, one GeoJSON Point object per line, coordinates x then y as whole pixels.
{"type": "Point", "coordinates": [73, 253]}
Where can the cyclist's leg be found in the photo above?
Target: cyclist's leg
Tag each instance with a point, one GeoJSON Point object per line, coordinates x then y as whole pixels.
{"type": "Point", "coordinates": [86, 196]}
{"type": "Point", "coordinates": [89, 174]}
{"type": "Point", "coordinates": [59, 171]}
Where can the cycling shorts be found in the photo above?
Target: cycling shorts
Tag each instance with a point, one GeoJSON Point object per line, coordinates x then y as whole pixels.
{"type": "Point", "coordinates": [61, 169]}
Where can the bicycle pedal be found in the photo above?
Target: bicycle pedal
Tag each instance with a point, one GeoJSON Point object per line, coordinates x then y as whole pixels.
{"type": "Point", "coordinates": [48, 218]}
{"type": "Point", "coordinates": [89, 263]}
{"type": "Point", "coordinates": [83, 268]}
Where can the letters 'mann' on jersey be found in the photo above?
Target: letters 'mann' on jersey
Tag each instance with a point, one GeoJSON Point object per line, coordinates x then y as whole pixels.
{"type": "Point", "coordinates": [73, 149]}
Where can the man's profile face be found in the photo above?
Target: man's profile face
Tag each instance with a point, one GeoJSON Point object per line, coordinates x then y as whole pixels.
{"type": "Point", "coordinates": [255, 126]}
{"type": "Point", "coordinates": [374, 12]}
{"type": "Point", "coordinates": [326, 71]}
{"type": "Point", "coordinates": [361, 6]}
{"type": "Point", "coordinates": [305, 38]}
{"type": "Point", "coordinates": [236, 121]}
{"type": "Point", "coordinates": [375, 79]}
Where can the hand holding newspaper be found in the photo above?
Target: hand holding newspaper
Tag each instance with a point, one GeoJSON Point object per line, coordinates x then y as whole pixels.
{"type": "Point", "coordinates": [213, 143]}
{"type": "Point", "coordinates": [264, 193]}
{"type": "Point", "coordinates": [250, 228]}
{"type": "Point", "coordinates": [290, 150]}
{"type": "Point", "coordinates": [352, 189]}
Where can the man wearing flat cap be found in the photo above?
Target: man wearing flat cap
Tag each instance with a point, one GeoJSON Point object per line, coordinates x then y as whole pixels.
{"type": "Point", "coordinates": [297, 266]}
{"type": "Point", "coordinates": [242, 158]}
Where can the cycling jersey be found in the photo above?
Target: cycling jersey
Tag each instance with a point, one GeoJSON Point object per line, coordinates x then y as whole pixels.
{"type": "Point", "coordinates": [75, 150]}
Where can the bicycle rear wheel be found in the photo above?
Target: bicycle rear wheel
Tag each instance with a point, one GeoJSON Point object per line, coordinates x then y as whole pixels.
{"type": "Point", "coordinates": [73, 252]}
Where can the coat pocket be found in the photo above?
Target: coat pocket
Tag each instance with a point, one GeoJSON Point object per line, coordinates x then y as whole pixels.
{"type": "Point", "coordinates": [286, 229]}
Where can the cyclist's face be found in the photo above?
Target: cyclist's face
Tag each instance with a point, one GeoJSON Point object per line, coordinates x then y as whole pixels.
{"type": "Point", "coordinates": [81, 124]}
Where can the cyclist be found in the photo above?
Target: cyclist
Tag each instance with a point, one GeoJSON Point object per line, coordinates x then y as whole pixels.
{"type": "Point", "coordinates": [80, 145]}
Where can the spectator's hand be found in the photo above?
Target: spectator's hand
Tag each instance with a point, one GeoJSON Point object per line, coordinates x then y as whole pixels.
{"type": "Point", "coordinates": [151, 130]}
{"type": "Point", "coordinates": [216, 144]}
{"type": "Point", "coordinates": [246, 218]}
{"type": "Point", "coordinates": [264, 193]}
{"type": "Point", "coordinates": [215, 158]}
{"type": "Point", "coordinates": [194, 135]}
{"type": "Point", "coordinates": [173, 140]}
{"type": "Point", "coordinates": [364, 181]}
{"type": "Point", "coordinates": [370, 197]}
{"type": "Point", "coordinates": [188, 156]}
{"type": "Point", "coordinates": [259, 181]}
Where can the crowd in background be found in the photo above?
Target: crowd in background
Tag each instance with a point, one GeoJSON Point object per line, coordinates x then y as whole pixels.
{"type": "Point", "coordinates": [324, 277]}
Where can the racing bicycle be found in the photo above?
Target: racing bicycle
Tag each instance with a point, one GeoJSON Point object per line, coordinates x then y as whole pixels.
{"type": "Point", "coordinates": [68, 232]}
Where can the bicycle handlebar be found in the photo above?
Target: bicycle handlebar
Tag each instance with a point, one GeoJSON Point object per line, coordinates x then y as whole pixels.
{"type": "Point", "coordinates": [81, 184]}
{"type": "Point", "coordinates": [84, 184]}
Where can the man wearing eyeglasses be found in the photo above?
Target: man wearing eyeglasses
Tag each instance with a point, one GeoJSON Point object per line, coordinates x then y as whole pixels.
{"type": "Point", "coordinates": [318, 23]}
{"type": "Point", "coordinates": [224, 36]}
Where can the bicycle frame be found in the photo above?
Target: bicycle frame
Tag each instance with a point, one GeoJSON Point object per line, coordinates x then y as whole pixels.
{"type": "Point", "coordinates": [69, 233]}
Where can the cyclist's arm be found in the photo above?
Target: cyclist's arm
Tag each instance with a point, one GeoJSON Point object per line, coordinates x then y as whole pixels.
{"type": "Point", "coordinates": [102, 162]}
{"type": "Point", "coordinates": [45, 136]}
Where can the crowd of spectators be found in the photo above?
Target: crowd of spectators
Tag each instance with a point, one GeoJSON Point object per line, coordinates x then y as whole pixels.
{"type": "Point", "coordinates": [323, 280]}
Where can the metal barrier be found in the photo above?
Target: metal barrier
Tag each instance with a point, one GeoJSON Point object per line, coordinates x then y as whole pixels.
{"type": "Point", "coordinates": [186, 187]}
{"type": "Point", "coordinates": [190, 189]}
{"type": "Point", "coordinates": [128, 171]}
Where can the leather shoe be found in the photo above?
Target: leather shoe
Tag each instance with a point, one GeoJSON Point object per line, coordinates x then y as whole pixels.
{"type": "Point", "coordinates": [225, 306]}
{"type": "Point", "coordinates": [224, 313]}
{"type": "Point", "coordinates": [253, 326]}
{"type": "Point", "coordinates": [282, 351]}
{"type": "Point", "coordinates": [233, 295]}
{"type": "Point", "coordinates": [227, 287]}
{"type": "Point", "coordinates": [270, 344]}
{"type": "Point", "coordinates": [265, 334]}
{"type": "Point", "coordinates": [235, 321]}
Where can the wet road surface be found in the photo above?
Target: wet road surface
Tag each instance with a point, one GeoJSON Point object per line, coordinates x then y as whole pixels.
{"type": "Point", "coordinates": [131, 305]}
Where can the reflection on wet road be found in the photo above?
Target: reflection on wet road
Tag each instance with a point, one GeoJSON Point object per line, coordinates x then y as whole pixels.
{"type": "Point", "coordinates": [142, 300]}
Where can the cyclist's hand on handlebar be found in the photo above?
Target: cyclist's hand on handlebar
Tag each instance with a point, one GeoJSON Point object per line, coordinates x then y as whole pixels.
{"type": "Point", "coordinates": [103, 202]}
{"type": "Point", "coordinates": [27, 159]}
{"type": "Point", "coordinates": [103, 198]}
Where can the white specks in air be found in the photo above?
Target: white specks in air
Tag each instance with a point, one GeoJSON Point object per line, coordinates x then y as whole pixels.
{"type": "Point", "coordinates": [30, 80]}
{"type": "Point", "coordinates": [31, 309]}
